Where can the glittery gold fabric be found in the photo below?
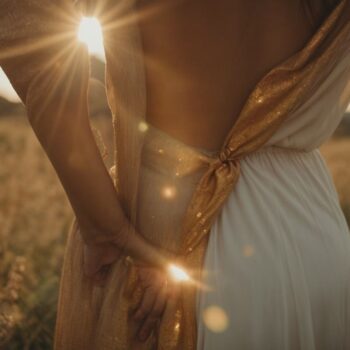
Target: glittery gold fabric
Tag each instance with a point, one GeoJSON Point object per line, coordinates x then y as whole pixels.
{"type": "Point", "coordinates": [95, 318]}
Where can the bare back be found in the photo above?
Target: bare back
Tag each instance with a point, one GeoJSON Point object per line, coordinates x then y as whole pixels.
{"type": "Point", "coordinates": [204, 57]}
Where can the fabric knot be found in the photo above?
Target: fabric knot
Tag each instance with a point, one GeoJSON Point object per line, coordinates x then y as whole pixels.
{"type": "Point", "coordinates": [225, 155]}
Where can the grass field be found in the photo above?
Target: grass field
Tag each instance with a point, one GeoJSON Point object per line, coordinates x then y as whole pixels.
{"type": "Point", "coordinates": [34, 219]}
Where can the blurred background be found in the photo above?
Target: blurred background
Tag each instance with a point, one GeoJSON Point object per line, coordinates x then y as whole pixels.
{"type": "Point", "coordinates": [35, 215]}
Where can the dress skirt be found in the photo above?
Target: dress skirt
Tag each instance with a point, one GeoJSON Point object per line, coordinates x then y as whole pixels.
{"type": "Point", "coordinates": [278, 260]}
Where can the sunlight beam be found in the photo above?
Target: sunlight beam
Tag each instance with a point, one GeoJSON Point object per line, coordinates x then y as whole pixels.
{"type": "Point", "coordinates": [178, 274]}
{"type": "Point", "coordinates": [90, 33]}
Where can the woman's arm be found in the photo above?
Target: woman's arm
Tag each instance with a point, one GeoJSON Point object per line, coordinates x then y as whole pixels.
{"type": "Point", "coordinates": [55, 94]}
{"type": "Point", "coordinates": [63, 129]}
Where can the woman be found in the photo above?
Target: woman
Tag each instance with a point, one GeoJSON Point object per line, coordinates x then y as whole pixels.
{"type": "Point", "coordinates": [268, 250]}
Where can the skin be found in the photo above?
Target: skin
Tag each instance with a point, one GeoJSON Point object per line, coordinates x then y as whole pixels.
{"type": "Point", "coordinates": [209, 87]}
{"type": "Point", "coordinates": [214, 53]}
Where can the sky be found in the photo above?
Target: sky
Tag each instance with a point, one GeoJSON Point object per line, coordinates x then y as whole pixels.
{"type": "Point", "coordinates": [6, 89]}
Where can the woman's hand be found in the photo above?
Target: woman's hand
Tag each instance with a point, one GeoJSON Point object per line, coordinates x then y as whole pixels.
{"type": "Point", "coordinates": [158, 290]}
{"type": "Point", "coordinates": [97, 261]}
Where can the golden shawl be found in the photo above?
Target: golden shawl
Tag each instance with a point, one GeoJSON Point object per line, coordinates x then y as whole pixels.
{"type": "Point", "coordinates": [270, 103]}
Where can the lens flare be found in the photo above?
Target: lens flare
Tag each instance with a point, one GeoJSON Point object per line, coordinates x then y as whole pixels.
{"type": "Point", "coordinates": [248, 250]}
{"type": "Point", "coordinates": [216, 319]}
{"type": "Point", "coordinates": [90, 33]}
{"type": "Point", "coordinates": [143, 126]}
{"type": "Point", "coordinates": [169, 192]}
{"type": "Point", "coordinates": [178, 274]}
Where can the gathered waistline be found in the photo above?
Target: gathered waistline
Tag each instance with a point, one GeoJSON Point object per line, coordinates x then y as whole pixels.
{"type": "Point", "coordinates": [277, 149]}
{"type": "Point", "coordinates": [158, 140]}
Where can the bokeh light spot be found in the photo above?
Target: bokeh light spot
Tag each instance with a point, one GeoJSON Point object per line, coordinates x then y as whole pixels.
{"type": "Point", "coordinates": [143, 127]}
{"type": "Point", "coordinates": [216, 319]}
{"type": "Point", "coordinates": [169, 192]}
{"type": "Point", "coordinates": [248, 250]}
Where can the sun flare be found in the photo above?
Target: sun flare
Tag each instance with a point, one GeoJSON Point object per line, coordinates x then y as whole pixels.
{"type": "Point", "coordinates": [178, 274]}
{"type": "Point", "coordinates": [90, 33]}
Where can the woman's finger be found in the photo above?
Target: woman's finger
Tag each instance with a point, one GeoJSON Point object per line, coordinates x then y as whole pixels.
{"type": "Point", "coordinates": [160, 302]}
{"type": "Point", "coordinates": [153, 317]}
{"type": "Point", "coordinates": [101, 276]}
{"type": "Point", "coordinates": [173, 291]}
{"type": "Point", "coordinates": [91, 265]}
{"type": "Point", "coordinates": [146, 304]}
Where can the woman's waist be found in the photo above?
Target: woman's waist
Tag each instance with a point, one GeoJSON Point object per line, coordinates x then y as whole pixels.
{"type": "Point", "coordinates": [278, 151]}
{"type": "Point", "coordinates": [162, 201]}
{"type": "Point", "coordinates": [170, 172]}
{"type": "Point", "coordinates": [171, 157]}
{"type": "Point", "coordinates": [288, 170]}
{"type": "Point", "coordinates": [167, 154]}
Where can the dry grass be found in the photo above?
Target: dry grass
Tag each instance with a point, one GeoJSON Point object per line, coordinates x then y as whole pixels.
{"type": "Point", "coordinates": [34, 218]}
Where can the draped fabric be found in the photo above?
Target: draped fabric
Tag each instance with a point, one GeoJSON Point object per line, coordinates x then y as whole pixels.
{"type": "Point", "coordinates": [93, 318]}
{"type": "Point", "coordinates": [278, 258]}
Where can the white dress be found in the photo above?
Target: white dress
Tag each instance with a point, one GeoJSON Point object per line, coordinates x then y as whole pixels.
{"type": "Point", "coordinates": [278, 258]}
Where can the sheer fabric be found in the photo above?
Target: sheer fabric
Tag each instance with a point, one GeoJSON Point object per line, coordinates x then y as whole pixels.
{"type": "Point", "coordinates": [150, 168]}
